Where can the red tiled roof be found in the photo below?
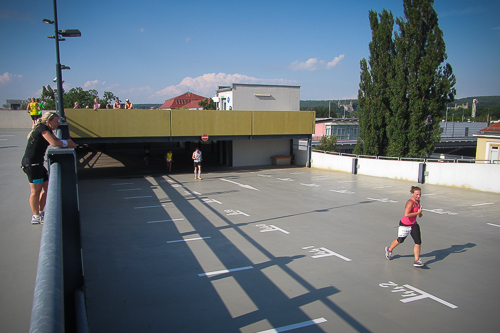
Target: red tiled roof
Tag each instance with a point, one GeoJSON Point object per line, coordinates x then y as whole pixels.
{"type": "Point", "coordinates": [186, 100]}
{"type": "Point", "coordinates": [492, 128]}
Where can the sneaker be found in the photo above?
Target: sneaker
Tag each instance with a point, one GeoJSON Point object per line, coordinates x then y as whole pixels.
{"type": "Point", "coordinates": [42, 216]}
{"type": "Point", "coordinates": [418, 263]}
{"type": "Point", "coordinates": [36, 219]}
{"type": "Point", "coordinates": [388, 254]}
{"type": "Point", "coordinates": [199, 178]}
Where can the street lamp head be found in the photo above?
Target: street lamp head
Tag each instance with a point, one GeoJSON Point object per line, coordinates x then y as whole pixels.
{"type": "Point", "coordinates": [48, 21]}
{"type": "Point", "coordinates": [65, 67]}
{"type": "Point", "coordinates": [70, 33]}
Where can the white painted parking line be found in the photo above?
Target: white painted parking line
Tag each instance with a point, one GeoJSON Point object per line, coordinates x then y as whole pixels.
{"type": "Point", "coordinates": [483, 204]}
{"type": "Point", "coordinates": [207, 201]}
{"type": "Point", "coordinates": [295, 326]}
{"type": "Point", "coordinates": [266, 228]}
{"type": "Point", "coordinates": [129, 189]}
{"type": "Point", "coordinates": [411, 296]}
{"type": "Point", "coordinates": [188, 239]}
{"type": "Point", "coordinates": [234, 212]}
{"type": "Point", "coordinates": [286, 179]}
{"type": "Point", "coordinates": [140, 197]}
{"type": "Point", "coordinates": [439, 211]}
{"type": "Point", "coordinates": [321, 252]}
{"type": "Point", "coordinates": [311, 185]}
{"type": "Point", "coordinates": [342, 191]}
{"type": "Point", "coordinates": [122, 184]}
{"type": "Point", "coordinates": [387, 186]}
{"type": "Point", "coordinates": [495, 225]}
{"type": "Point", "coordinates": [149, 206]}
{"type": "Point", "coordinates": [383, 200]}
{"type": "Point", "coordinates": [160, 221]}
{"type": "Point", "coordinates": [224, 271]}
{"type": "Point", "coordinates": [240, 185]}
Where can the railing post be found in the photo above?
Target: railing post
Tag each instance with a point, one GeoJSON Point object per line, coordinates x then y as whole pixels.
{"type": "Point", "coordinates": [70, 213]}
{"type": "Point", "coordinates": [421, 173]}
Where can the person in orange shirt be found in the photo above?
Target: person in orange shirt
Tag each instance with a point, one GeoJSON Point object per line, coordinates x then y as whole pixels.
{"type": "Point", "coordinates": [128, 104]}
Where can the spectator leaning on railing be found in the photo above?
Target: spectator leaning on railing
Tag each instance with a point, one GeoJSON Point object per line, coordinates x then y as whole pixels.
{"type": "Point", "coordinates": [40, 137]}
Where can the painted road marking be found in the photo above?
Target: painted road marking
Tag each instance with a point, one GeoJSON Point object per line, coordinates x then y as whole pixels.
{"type": "Point", "coordinates": [383, 200]}
{"type": "Point", "coordinates": [160, 221]}
{"type": "Point", "coordinates": [240, 185]}
{"type": "Point", "coordinates": [149, 206]}
{"type": "Point", "coordinates": [188, 239]}
{"type": "Point", "coordinates": [266, 228]}
{"type": "Point", "coordinates": [235, 212]}
{"type": "Point", "coordinates": [482, 204]}
{"type": "Point", "coordinates": [207, 201]}
{"type": "Point", "coordinates": [143, 196]}
{"type": "Point", "coordinates": [381, 187]}
{"type": "Point", "coordinates": [264, 176]}
{"type": "Point", "coordinates": [122, 184]}
{"type": "Point", "coordinates": [285, 179]}
{"type": "Point", "coordinates": [342, 191]}
{"type": "Point", "coordinates": [321, 252]}
{"type": "Point", "coordinates": [311, 185]}
{"type": "Point", "coordinates": [439, 211]}
{"type": "Point", "coordinates": [410, 294]}
{"type": "Point", "coordinates": [191, 193]}
{"type": "Point", "coordinates": [129, 189]}
{"type": "Point", "coordinates": [295, 326]}
{"type": "Point", "coordinates": [495, 225]}
{"type": "Point", "coordinates": [224, 271]}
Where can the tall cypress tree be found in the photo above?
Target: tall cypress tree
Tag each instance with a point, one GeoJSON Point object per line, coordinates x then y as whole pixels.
{"type": "Point", "coordinates": [407, 86]}
{"type": "Point", "coordinates": [373, 91]}
{"type": "Point", "coordinates": [430, 85]}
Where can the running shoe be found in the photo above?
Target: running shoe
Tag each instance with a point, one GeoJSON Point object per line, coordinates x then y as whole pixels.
{"type": "Point", "coordinates": [42, 216]}
{"type": "Point", "coordinates": [199, 178]}
{"type": "Point", "coordinates": [388, 254]}
{"type": "Point", "coordinates": [36, 219]}
{"type": "Point", "coordinates": [418, 263]}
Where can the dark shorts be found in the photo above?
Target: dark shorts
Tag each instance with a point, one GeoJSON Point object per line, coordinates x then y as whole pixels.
{"type": "Point", "coordinates": [35, 117]}
{"type": "Point", "coordinates": [197, 164]}
{"type": "Point", "coordinates": [36, 174]}
{"type": "Point", "coordinates": [415, 233]}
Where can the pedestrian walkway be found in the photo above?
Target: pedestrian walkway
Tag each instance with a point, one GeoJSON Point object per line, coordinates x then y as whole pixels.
{"type": "Point", "coordinates": [19, 239]}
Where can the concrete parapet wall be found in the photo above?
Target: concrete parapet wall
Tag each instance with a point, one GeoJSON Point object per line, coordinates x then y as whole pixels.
{"type": "Point", "coordinates": [484, 177]}
{"type": "Point", "coordinates": [474, 176]}
{"type": "Point", "coordinates": [15, 119]}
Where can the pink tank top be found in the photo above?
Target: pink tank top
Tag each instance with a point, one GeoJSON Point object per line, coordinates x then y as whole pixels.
{"type": "Point", "coordinates": [411, 220]}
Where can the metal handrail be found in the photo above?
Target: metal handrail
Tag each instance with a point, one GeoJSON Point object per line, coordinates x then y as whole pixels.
{"type": "Point", "coordinates": [47, 314]}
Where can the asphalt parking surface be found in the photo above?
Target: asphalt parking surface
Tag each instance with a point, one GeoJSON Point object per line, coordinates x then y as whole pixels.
{"type": "Point", "coordinates": [285, 249]}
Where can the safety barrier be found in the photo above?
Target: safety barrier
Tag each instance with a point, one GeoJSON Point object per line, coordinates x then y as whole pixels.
{"type": "Point", "coordinates": [463, 173]}
{"type": "Point", "coordinates": [59, 302]}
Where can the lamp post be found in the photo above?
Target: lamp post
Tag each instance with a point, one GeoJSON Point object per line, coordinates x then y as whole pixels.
{"type": "Point", "coordinates": [57, 36]}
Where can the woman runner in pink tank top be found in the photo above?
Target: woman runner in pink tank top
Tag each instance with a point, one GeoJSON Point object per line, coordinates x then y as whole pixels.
{"type": "Point", "coordinates": [408, 225]}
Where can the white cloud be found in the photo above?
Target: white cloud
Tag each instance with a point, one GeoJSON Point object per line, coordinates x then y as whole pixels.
{"type": "Point", "coordinates": [93, 84]}
{"type": "Point", "coordinates": [335, 61]}
{"type": "Point", "coordinates": [188, 39]}
{"type": "Point", "coordinates": [141, 30]}
{"type": "Point", "coordinates": [314, 64]}
{"type": "Point", "coordinates": [6, 77]}
{"type": "Point", "coordinates": [207, 84]}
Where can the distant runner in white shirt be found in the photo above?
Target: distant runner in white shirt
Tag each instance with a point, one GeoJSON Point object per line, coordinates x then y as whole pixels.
{"type": "Point", "coordinates": [197, 162]}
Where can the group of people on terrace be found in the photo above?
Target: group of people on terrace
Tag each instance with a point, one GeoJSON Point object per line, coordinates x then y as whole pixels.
{"type": "Point", "coordinates": [116, 105]}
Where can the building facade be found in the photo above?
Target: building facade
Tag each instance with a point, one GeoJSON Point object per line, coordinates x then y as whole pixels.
{"type": "Point", "coordinates": [257, 97]}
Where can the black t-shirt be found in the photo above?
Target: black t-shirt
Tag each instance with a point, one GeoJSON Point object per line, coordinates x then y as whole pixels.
{"type": "Point", "coordinates": [36, 146]}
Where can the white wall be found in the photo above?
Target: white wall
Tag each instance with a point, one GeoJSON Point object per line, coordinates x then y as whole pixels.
{"type": "Point", "coordinates": [403, 170]}
{"type": "Point", "coordinates": [15, 119]}
{"type": "Point", "coordinates": [282, 98]}
{"type": "Point", "coordinates": [258, 152]}
{"type": "Point", "coordinates": [485, 177]}
{"type": "Point", "coordinates": [475, 176]}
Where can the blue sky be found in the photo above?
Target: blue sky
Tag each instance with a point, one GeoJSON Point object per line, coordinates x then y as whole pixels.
{"type": "Point", "coordinates": [152, 50]}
